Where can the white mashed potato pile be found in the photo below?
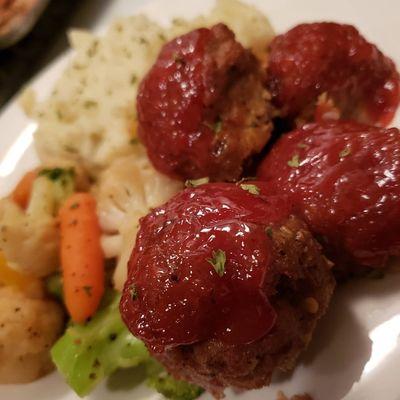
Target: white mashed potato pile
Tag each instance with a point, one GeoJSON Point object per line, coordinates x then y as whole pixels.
{"type": "Point", "coordinates": [90, 118]}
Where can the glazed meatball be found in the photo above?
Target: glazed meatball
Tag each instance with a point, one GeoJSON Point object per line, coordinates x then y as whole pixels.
{"type": "Point", "coordinates": [344, 180]}
{"type": "Point", "coordinates": [29, 326]}
{"type": "Point", "coordinates": [225, 285]}
{"type": "Point", "coordinates": [334, 60]}
{"type": "Point", "coordinates": [203, 109]}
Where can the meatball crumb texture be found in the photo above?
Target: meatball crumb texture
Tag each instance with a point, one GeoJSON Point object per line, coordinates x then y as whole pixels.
{"type": "Point", "coordinates": [225, 285]}
{"type": "Point", "coordinates": [343, 180]}
{"type": "Point", "coordinates": [203, 109]}
{"type": "Point", "coordinates": [336, 61]}
{"type": "Point", "coordinates": [29, 326]}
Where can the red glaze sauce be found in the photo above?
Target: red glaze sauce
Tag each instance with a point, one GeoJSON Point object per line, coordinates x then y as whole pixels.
{"type": "Point", "coordinates": [344, 179]}
{"type": "Point", "coordinates": [317, 58]}
{"type": "Point", "coordinates": [178, 296]}
{"type": "Point", "coordinates": [174, 90]}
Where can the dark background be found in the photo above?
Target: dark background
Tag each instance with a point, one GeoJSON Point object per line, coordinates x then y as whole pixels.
{"type": "Point", "coordinates": [45, 42]}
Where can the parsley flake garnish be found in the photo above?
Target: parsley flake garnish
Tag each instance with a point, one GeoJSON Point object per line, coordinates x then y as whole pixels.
{"type": "Point", "coordinates": [178, 59]}
{"type": "Point", "coordinates": [134, 79]}
{"type": "Point", "coordinates": [253, 189]}
{"type": "Point", "coordinates": [70, 149]}
{"type": "Point", "coordinates": [133, 292]}
{"type": "Point", "coordinates": [90, 104]}
{"type": "Point", "coordinates": [218, 261]}
{"type": "Point", "coordinates": [268, 231]}
{"type": "Point", "coordinates": [55, 174]}
{"type": "Point", "coordinates": [345, 152]}
{"type": "Point", "coordinates": [294, 162]}
{"type": "Point", "coordinates": [88, 290]}
{"type": "Point", "coordinates": [92, 49]}
{"type": "Point", "coordinates": [217, 126]}
{"type": "Point", "coordinates": [303, 146]}
{"type": "Point", "coordinates": [74, 206]}
{"type": "Point", "coordinates": [134, 141]}
{"type": "Point", "coordinates": [196, 182]}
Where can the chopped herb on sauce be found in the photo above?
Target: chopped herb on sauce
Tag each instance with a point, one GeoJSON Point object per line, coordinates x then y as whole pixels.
{"type": "Point", "coordinates": [345, 152]}
{"type": "Point", "coordinates": [253, 189]}
{"type": "Point", "coordinates": [217, 126]}
{"type": "Point", "coordinates": [218, 261]}
{"type": "Point", "coordinates": [303, 146]}
{"type": "Point", "coordinates": [268, 231]}
{"type": "Point", "coordinates": [294, 162]}
{"type": "Point", "coordinates": [133, 292]}
{"type": "Point", "coordinates": [196, 182]}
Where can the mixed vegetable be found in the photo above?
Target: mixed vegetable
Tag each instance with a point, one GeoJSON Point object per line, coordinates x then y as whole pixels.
{"type": "Point", "coordinates": [87, 353]}
{"type": "Point", "coordinates": [96, 342]}
{"type": "Point", "coordinates": [82, 259]}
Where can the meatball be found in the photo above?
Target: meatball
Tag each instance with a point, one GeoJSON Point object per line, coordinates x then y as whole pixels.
{"type": "Point", "coordinates": [344, 180]}
{"type": "Point", "coordinates": [332, 59]}
{"type": "Point", "coordinates": [28, 328]}
{"type": "Point", "coordinates": [225, 285]}
{"type": "Point", "coordinates": [203, 109]}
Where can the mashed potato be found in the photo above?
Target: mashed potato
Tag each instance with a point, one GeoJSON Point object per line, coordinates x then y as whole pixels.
{"type": "Point", "coordinates": [90, 116]}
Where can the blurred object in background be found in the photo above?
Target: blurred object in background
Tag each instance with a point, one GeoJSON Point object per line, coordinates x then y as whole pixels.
{"type": "Point", "coordinates": [17, 18]}
{"type": "Point", "coordinates": [45, 41]}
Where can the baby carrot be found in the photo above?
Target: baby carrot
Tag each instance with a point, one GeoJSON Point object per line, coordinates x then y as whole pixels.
{"type": "Point", "coordinates": [82, 259]}
{"type": "Point", "coordinates": [22, 192]}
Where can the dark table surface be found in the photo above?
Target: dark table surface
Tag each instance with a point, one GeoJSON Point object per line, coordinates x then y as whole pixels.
{"type": "Point", "coordinates": [47, 40]}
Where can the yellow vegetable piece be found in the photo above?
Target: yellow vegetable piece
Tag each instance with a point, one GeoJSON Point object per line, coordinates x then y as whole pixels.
{"type": "Point", "coordinates": [10, 277]}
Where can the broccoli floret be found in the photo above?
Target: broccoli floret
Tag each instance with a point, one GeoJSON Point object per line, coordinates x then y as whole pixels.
{"type": "Point", "coordinates": [86, 354]}
{"type": "Point", "coordinates": [172, 388]}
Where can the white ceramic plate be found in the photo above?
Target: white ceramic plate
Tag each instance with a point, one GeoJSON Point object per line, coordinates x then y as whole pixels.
{"type": "Point", "coordinates": [355, 354]}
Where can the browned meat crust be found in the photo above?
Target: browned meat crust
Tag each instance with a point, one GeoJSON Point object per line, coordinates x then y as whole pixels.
{"type": "Point", "coordinates": [238, 99]}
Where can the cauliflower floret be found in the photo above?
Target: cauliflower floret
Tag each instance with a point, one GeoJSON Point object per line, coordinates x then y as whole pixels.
{"type": "Point", "coordinates": [251, 27]}
{"type": "Point", "coordinates": [126, 191]}
{"type": "Point", "coordinates": [29, 238]}
{"type": "Point", "coordinates": [28, 328]}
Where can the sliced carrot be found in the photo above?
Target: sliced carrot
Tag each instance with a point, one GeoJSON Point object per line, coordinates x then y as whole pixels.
{"type": "Point", "coordinates": [82, 259]}
{"type": "Point", "coordinates": [22, 192]}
